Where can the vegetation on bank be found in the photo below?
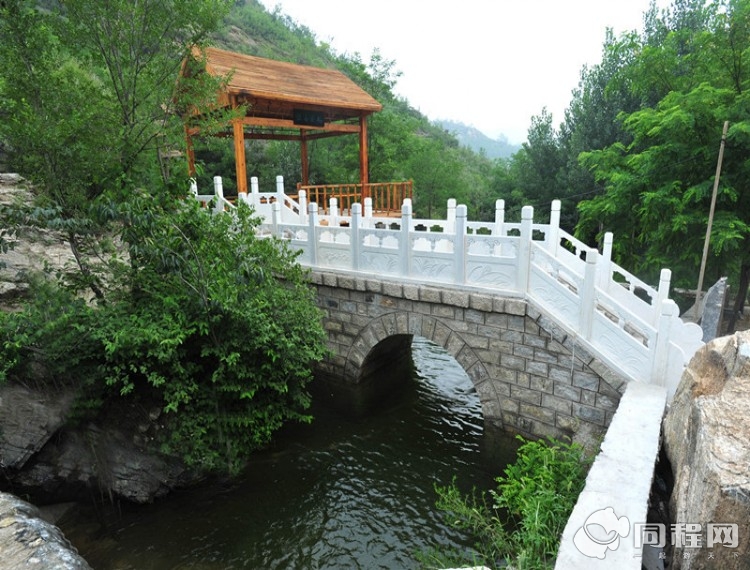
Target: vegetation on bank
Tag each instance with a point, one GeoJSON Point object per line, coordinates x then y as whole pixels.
{"type": "Point", "coordinates": [166, 306]}
{"type": "Point", "coordinates": [521, 524]}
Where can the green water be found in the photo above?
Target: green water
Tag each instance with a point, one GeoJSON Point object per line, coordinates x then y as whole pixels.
{"type": "Point", "coordinates": [341, 493]}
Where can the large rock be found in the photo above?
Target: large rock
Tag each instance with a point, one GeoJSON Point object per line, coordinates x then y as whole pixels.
{"type": "Point", "coordinates": [28, 541]}
{"type": "Point", "coordinates": [28, 419]}
{"type": "Point", "coordinates": [106, 461]}
{"type": "Point", "coordinates": [707, 440]}
{"type": "Point", "coordinates": [33, 250]}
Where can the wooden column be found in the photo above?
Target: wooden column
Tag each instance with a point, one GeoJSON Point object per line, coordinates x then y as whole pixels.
{"type": "Point", "coordinates": [304, 158]}
{"type": "Point", "coordinates": [239, 153]}
{"type": "Point", "coordinates": [363, 163]}
{"type": "Point", "coordinates": [190, 152]}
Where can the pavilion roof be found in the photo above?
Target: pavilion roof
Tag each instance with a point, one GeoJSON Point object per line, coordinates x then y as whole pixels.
{"type": "Point", "coordinates": [275, 88]}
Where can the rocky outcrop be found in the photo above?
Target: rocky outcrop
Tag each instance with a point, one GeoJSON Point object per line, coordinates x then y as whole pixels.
{"type": "Point", "coordinates": [28, 418]}
{"type": "Point", "coordinates": [32, 250]}
{"type": "Point", "coordinates": [707, 440]}
{"type": "Point", "coordinates": [28, 541]}
{"type": "Point", "coordinates": [105, 462]}
{"type": "Point", "coordinates": [42, 456]}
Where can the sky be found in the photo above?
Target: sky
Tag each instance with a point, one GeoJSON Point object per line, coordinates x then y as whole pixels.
{"type": "Point", "coordinates": [491, 64]}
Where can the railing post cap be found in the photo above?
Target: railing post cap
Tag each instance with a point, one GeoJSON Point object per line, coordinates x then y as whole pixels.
{"type": "Point", "coordinates": [312, 208]}
{"type": "Point", "coordinates": [279, 178]}
{"type": "Point", "coordinates": [461, 210]}
{"type": "Point", "coordinates": [451, 202]}
{"type": "Point", "coordinates": [669, 308]}
{"type": "Point", "coordinates": [356, 208]}
{"type": "Point", "coordinates": [527, 213]}
{"type": "Point", "coordinates": [499, 203]}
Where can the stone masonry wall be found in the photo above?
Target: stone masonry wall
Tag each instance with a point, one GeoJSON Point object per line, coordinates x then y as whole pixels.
{"type": "Point", "coordinates": [532, 377]}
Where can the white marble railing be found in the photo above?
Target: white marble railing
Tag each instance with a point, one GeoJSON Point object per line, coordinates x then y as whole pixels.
{"type": "Point", "coordinates": [630, 325]}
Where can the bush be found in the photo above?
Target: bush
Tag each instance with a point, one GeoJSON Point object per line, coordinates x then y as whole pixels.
{"type": "Point", "coordinates": [533, 501]}
{"type": "Point", "coordinates": [215, 325]}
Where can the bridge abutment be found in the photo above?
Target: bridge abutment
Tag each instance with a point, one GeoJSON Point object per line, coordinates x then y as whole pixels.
{"type": "Point", "coordinates": [532, 376]}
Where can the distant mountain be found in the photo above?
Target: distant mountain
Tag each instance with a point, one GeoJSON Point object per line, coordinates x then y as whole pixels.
{"type": "Point", "coordinates": [477, 141]}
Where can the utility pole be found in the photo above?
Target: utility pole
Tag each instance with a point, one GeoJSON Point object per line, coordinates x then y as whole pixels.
{"type": "Point", "coordinates": [699, 291]}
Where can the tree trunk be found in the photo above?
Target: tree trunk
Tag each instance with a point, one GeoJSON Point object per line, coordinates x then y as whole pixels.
{"type": "Point", "coordinates": [739, 301]}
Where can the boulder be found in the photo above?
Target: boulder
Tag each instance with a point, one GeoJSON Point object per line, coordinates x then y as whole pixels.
{"type": "Point", "coordinates": [28, 418]}
{"type": "Point", "coordinates": [28, 541]}
{"type": "Point", "coordinates": [105, 460]}
{"type": "Point", "coordinates": [707, 441]}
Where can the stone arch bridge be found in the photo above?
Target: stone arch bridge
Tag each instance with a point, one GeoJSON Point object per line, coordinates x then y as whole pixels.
{"type": "Point", "coordinates": [549, 330]}
{"type": "Point", "coordinates": [531, 376]}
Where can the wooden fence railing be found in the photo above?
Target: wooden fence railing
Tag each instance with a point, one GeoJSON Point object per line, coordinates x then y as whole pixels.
{"type": "Point", "coordinates": [387, 197]}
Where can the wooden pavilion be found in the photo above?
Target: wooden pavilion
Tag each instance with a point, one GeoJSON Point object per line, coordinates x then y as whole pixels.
{"type": "Point", "coordinates": [287, 101]}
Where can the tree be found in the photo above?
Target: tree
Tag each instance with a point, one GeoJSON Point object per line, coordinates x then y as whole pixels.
{"type": "Point", "coordinates": [658, 187]}
{"type": "Point", "coordinates": [192, 313]}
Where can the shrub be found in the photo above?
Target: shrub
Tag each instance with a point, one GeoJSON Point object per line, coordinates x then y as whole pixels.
{"type": "Point", "coordinates": [533, 501]}
{"type": "Point", "coordinates": [215, 325]}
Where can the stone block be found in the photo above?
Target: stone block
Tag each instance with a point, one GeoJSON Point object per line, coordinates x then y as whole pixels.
{"type": "Point", "coordinates": [533, 339]}
{"type": "Point", "coordinates": [345, 282]}
{"type": "Point", "coordinates": [373, 286]}
{"type": "Point", "coordinates": [526, 395]}
{"type": "Point", "coordinates": [509, 405]}
{"type": "Point", "coordinates": [476, 341]}
{"type": "Point", "coordinates": [588, 398]}
{"type": "Point", "coordinates": [516, 323]}
{"type": "Point", "coordinates": [586, 380]}
{"type": "Point", "coordinates": [558, 404]}
{"type": "Point", "coordinates": [589, 414]}
{"type": "Point", "coordinates": [561, 375]}
{"type": "Point", "coordinates": [466, 358]}
{"type": "Point", "coordinates": [523, 351]}
{"type": "Point", "coordinates": [496, 320]}
{"type": "Point", "coordinates": [393, 289]}
{"type": "Point", "coordinates": [515, 307]}
{"type": "Point", "coordinates": [498, 305]}
{"type": "Point", "coordinates": [443, 311]}
{"type": "Point", "coordinates": [502, 389]}
{"type": "Point", "coordinates": [538, 413]}
{"type": "Point", "coordinates": [512, 336]}
{"type": "Point", "coordinates": [523, 379]}
{"type": "Point", "coordinates": [551, 327]}
{"type": "Point", "coordinates": [543, 355]}
{"type": "Point", "coordinates": [513, 362]}
{"type": "Point", "coordinates": [456, 298]}
{"type": "Point", "coordinates": [567, 392]}
{"type": "Point", "coordinates": [411, 292]}
{"type": "Point", "coordinates": [474, 316]}
{"type": "Point", "coordinates": [429, 294]}
{"type": "Point", "coordinates": [542, 384]}
{"type": "Point", "coordinates": [422, 308]}
{"type": "Point", "coordinates": [480, 302]}
{"type": "Point", "coordinates": [537, 368]}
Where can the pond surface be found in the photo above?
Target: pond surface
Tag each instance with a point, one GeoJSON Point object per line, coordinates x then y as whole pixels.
{"type": "Point", "coordinates": [341, 493]}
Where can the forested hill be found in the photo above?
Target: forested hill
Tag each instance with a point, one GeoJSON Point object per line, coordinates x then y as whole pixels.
{"type": "Point", "coordinates": [637, 147]}
{"type": "Point", "coordinates": [404, 144]}
{"type": "Point", "coordinates": [477, 141]}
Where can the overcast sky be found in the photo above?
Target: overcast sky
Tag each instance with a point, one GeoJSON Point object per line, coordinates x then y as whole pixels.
{"type": "Point", "coordinates": [492, 64]}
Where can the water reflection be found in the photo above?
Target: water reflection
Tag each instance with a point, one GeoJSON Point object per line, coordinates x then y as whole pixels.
{"type": "Point", "coordinates": [342, 493]}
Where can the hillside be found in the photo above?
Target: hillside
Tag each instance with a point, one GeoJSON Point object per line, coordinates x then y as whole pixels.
{"type": "Point", "coordinates": [477, 141]}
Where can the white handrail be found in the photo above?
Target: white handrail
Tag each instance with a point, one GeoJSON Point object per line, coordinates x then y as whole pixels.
{"type": "Point", "coordinates": [630, 325]}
